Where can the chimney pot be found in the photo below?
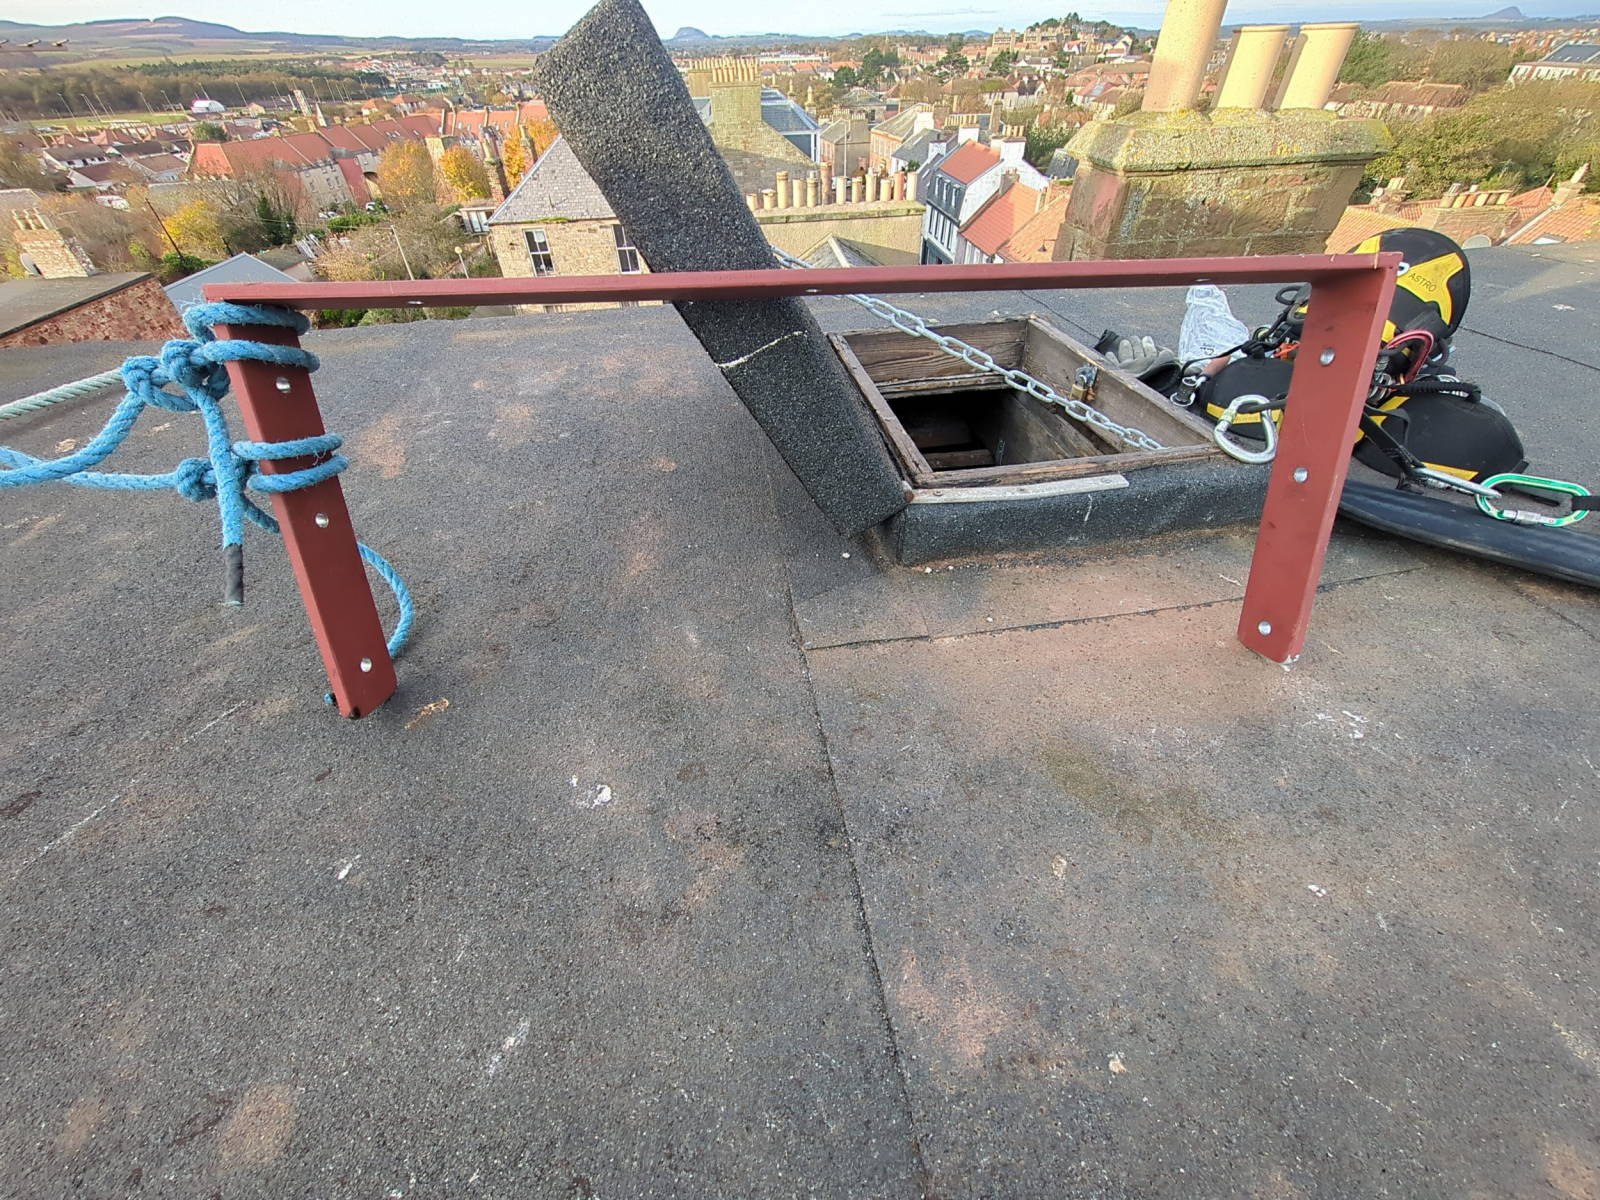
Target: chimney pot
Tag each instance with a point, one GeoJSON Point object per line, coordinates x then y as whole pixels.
{"type": "Point", "coordinates": [1314, 64]}
{"type": "Point", "coordinates": [1183, 47]}
{"type": "Point", "coordinates": [1248, 75]}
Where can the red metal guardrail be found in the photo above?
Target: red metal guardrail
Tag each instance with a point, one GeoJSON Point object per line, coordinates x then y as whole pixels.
{"type": "Point", "coordinates": [1349, 302]}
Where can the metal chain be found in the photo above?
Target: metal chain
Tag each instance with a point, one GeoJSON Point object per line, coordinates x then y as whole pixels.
{"type": "Point", "coordinates": [1078, 410]}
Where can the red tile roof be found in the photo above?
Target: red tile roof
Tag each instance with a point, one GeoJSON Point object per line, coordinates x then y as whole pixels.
{"type": "Point", "coordinates": [999, 219]}
{"type": "Point", "coordinates": [1358, 223]}
{"type": "Point", "coordinates": [1035, 239]}
{"type": "Point", "coordinates": [354, 179]}
{"type": "Point", "coordinates": [1534, 199]}
{"type": "Point", "coordinates": [1575, 221]}
{"type": "Point", "coordinates": [967, 162]}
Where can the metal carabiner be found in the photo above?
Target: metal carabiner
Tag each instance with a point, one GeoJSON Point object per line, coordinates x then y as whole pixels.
{"type": "Point", "coordinates": [1269, 431]}
{"type": "Point", "coordinates": [1445, 481]}
{"type": "Point", "coordinates": [1524, 516]}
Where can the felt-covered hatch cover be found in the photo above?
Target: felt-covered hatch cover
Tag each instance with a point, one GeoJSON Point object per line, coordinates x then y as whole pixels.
{"type": "Point", "coordinates": [626, 113]}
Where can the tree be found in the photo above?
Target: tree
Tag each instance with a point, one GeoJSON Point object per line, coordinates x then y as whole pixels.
{"type": "Point", "coordinates": [105, 233]}
{"type": "Point", "coordinates": [208, 131]}
{"type": "Point", "coordinates": [873, 63]}
{"type": "Point", "coordinates": [1476, 65]}
{"type": "Point", "coordinates": [845, 78]}
{"type": "Point", "coordinates": [1002, 62]}
{"type": "Point", "coordinates": [1043, 141]}
{"type": "Point", "coordinates": [543, 135]}
{"type": "Point", "coordinates": [20, 169]}
{"type": "Point", "coordinates": [277, 221]}
{"type": "Point", "coordinates": [463, 175]}
{"type": "Point", "coordinates": [428, 234]}
{"type": "Point", "coordinates": [1515, 136]}
{"type": "Point", "coordinates": [405, 175]}
{"type": "Point", "coordinates": [197, 229]}
{"type": "Point", "coordinates": [514, 157]}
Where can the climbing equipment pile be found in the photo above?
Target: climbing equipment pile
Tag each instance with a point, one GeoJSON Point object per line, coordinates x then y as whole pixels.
{"type": "Point", "coordinates": [1421, 425]}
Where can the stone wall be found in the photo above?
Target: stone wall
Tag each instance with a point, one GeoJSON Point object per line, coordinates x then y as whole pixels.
{"type": "Point", "coordinates": [1174, 185]}
{"type": "Point", "coordinates": [890, 233]}
{"type": "Point", "coordinates": [577, 248]}
{"type": "Point", "coordinates": [753, 150]}
{"type": "Point", "coordinates": [136, 312]}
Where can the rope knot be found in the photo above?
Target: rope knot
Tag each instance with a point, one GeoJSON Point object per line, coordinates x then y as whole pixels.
{"type": "Point", "coordinates": [195, 480]}
{"type": "Point", "coordinates": [182, 362]}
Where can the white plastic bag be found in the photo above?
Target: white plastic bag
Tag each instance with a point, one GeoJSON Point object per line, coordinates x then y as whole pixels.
{"type": "Point", "coordinates": [1209, 326]}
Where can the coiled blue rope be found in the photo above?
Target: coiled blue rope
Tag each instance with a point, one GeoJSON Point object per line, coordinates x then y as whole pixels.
{"type": "Point", "coordinates": [198, 368]}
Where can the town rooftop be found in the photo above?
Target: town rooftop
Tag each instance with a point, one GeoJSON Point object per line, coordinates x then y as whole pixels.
{"type": "Point", "coordinates": [702, 853]}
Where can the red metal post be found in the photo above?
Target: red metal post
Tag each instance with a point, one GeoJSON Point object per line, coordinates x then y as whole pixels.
{"type": "Point", "coordinates": [279, 405]}
{"type": "Point", "coordinates": [1331, 381]}
{"type": "Point", "coordinates": [1350, 299]}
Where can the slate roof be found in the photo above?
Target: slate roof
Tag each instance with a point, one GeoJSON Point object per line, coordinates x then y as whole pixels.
{"type": "Point", "coordinates": [1574, 52]}
{"type": "Point", "coordinates": [839, 252]}
{"type": "Point", "coordinates": [903, 123]}
{"type": "Point", "coordinates": [919, 147]}
{"type": "Point", "coordinates": [783, 114]}
{"type": "Point", "coordinates": [556, 186]}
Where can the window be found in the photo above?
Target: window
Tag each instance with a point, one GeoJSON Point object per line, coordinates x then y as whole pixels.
{"type": "Point", "coordinates": [627, 256]}
{"type": "Point", "coordinates": [544, 263]}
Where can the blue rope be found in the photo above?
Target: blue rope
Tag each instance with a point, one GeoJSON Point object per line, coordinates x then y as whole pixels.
{"type": "Point", "coordinates": [197, 368]}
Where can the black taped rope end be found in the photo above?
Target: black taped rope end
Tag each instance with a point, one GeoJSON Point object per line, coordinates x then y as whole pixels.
{"type": "Point", "coordinates": [233, 560]}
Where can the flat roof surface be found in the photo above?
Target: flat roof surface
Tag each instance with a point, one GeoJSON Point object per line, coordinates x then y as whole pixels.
{"type": "Point", "coordinates": [741, 864]}
{"type": "Point", "coordinates": [25, 302]}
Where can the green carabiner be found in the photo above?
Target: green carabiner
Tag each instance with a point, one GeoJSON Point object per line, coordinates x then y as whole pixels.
{"type": "Point", "coordinates": [1523, 516]}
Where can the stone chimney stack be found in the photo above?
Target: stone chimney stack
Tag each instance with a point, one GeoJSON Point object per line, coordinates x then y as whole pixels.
{"type": "Point", "coordinates": [1314, 64]}
{"type": "Point", "coordinates": [1567, 189]}
{"type": "Point", "coordinates": [1188, 33]}
{"type": "Point", "coordinates": [54, 254]}
{"type": "Point", "coordinates": [493, 167]}
{"type": "Point", "coordinates": [1171, 181]}
{"type": "Point", "coordinates": [1251, 62]}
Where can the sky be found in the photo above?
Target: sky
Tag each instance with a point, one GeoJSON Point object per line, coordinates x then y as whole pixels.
{"type": "Point", "coordinates": [517, 18]}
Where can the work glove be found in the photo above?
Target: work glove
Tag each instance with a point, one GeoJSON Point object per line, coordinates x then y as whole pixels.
{"type": "Point", "coordinates": [1153, 365]}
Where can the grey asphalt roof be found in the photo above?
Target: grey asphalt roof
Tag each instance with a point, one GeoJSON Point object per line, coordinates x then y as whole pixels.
{"type": "Point", "coordinates": [742, 864]}
{"type": "Point", "coordinates": [28, 301]}
{"type": "Point", "coordinates": [555, 186]}
{"type": "Point", "coordinates": [241, 268]}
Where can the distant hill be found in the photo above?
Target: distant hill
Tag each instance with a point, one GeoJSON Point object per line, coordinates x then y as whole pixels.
{"type": "Point", "coordinates": [183, 37]}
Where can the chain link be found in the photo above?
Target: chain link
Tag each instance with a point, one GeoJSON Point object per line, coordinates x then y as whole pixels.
{"type": "Point", "coordinates": [1078, 410]}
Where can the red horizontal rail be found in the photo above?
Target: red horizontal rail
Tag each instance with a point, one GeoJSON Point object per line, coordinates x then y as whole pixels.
{"type": "Point", "coordinates": [770, 284]}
